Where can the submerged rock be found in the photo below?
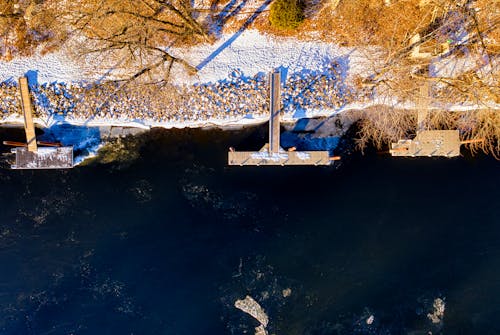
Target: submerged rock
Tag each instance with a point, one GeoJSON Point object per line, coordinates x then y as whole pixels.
{"type": "Point", "coordinates": [437, 315]}
{"type": "Point", "coordinates": [260, 330]}
{"type": "Point", "coordinates": [252, 307]}
{"type": "Point", "coordinates": [286, 292]}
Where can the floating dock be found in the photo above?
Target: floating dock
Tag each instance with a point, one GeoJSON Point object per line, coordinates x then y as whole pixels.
{"type": "Point", "coordinates": [282, 157]}
{"type": "Point", "coordinates": [444, 143]}
{"type": "Point", "coordinates": [43, 158]}
{"type": "Point", "coordinates": [31, 155]}
{"type": "Point", "coordinates": [272, 153]}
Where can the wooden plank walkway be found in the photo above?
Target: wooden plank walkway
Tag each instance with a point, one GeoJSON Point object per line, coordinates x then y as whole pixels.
{"type": "Point", "coordinates": [274, 108]}
{"type": "Point", "coordinates": [272, 153]}
{"type": "Point", "coordinates": [29, 127]}
{"type": "Point", "coordinates": [423, 106]}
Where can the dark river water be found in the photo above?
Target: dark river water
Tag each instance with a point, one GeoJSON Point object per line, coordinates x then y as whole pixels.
{"type": "Point", "coordinates": [165, 243]}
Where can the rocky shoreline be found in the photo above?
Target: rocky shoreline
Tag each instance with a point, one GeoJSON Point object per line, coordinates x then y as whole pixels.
{"type": "Point", "coordinates": [238, 100]}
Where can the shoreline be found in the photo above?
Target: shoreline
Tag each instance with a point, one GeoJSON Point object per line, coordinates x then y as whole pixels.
{"type": "Point", "coordinates": [234, 123]}
{"type": "Point", "coordinates": [18, 122]}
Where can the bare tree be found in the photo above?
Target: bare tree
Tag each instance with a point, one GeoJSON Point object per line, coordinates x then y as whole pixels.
{"type": "Point", "coordinates": [454, 31]}
{"type": "Point", "coordinates": [454, 51]}
{"type": "Point", "coordinates": [136, 34]}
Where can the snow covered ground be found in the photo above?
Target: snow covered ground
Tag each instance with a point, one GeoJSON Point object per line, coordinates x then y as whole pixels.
{"type": "Point", "coordinates": [250, 52]}
{"type": "Point", "coordinates": [54, 67]}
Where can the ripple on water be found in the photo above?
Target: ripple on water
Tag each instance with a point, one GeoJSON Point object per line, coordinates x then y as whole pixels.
{"type": "Point", "coordinates": [45, 203]}
{"type": "Point", "coordinates": [142, 191]}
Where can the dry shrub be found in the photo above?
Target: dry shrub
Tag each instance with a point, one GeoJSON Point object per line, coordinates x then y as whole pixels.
{"type": "Point", "coordinates": [354, 22]}
{"type": "Point", "coordinates": [136, 33]}
{"type": "Point", "coordinates": [488, 17]}
{"type": "Point", "coordinates": [24, 26]}
{"type": "Point", "coordinates": [361, 22]}
{"type": "Point", "coordinates": [442, 120]}
{"type": "Point", "coordinates": [150, 20]}
{"type": "Point", "coordinates": [473, 87]}
{"type": "Point", "coordinates": [485, 125]}
{"type": "Point", "coordinates": [382, 125]}
{"type": "Point", "coordinates": [286, 14]}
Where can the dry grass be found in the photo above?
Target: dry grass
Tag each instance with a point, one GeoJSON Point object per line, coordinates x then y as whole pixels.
{"type": "Point", "coordinates": [24, 26]}
{"type": "Point", "coordinates": [381, 125]}
{"type": "Point", "coordinates": [477, 124]}
{"type": "Point", "coordinates": [481, 124]}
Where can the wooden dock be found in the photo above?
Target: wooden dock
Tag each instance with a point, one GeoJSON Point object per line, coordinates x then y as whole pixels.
{"type": "Point", "coordinates": [445, 143]}
{"type": "Point", "coordinates": [43, 158]}
{"type": "Point", "coordinates": [266, 157]}
{"type": "Point", "coordinates": [27, 108]}
{"type": "Point", "coordinates": [272, 153]}
{"type": "Point", "coordinates": [31, 156]}
{"type": "Point", "coordinates": [430, 143]}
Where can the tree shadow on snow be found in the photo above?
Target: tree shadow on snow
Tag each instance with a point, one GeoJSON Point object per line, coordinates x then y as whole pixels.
{"type": "Point", "coordinates": [223, 18]}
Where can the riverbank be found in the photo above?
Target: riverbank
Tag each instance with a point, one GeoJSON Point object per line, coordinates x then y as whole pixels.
{"type": "Point", "coordinates": [229, 87]}
{"type": "Point", "coordinates": [228, 91]}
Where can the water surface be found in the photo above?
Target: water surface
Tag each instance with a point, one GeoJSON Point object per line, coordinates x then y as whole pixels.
{"type": "Point", "coordinates": [166, 243]}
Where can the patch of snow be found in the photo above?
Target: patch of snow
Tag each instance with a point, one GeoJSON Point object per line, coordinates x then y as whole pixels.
{"type": "Point", "coordinates": [53, 67]}
{"type": "Point", "coordinates": [224, 68]}
{"type": "Point", "coordinates": [265, 155]}
{"type": "Point", "coordinates": [303, 155]}
{"type": "Point", "coordinates": [249, 51]}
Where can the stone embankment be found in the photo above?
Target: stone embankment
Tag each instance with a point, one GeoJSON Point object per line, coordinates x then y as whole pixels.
{"type": "Point", "coordinates": [236, 97]}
